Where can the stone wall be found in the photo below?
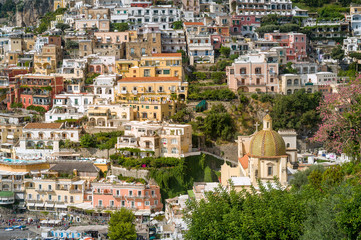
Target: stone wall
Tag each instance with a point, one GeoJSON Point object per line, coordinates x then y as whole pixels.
{"type": "Point", "coordinates": [91, 152]}
{"type": "Point", "coordinates": [228, 151]}
{"type": "Point", "coordinates": [130, 173]}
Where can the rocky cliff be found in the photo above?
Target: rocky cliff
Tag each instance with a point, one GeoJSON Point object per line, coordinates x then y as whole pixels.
{"type": "Point", "coordinates": [29, 11]}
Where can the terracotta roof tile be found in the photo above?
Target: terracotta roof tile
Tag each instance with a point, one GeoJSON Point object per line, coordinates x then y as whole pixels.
{"type": "Point", "coordinates": [244, 161]}
{"type": "Point", "coordinates": [193, 23]}
{"type": "Point", "coordinates": [43, 125]}
{"type": "Point", "coordinates": [167, 55]}
{"type": "Point", "coordinates": [149, 79]}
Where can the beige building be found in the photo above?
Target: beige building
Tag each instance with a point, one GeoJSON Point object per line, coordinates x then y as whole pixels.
{"type": "Point", "coordinates": [263, 156]}
{"type": "Point", "coordinates": [164, 140]}
{"type": "Point", "coordinates": [143, 44]}
{"type": "Point", "coordinates": [109, 116]}
{"type": "Point", "coordinates": [102, 25]}
{"type": "Point", "coordinates": [48, 60]}
{"type": "Point", "coordinates": [47, 194]}
{"type": "Point", "coordinates": [291, 83]}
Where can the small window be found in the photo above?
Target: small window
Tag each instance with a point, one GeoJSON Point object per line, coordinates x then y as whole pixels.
{"type": "Point", "coordinates": [270, 171]}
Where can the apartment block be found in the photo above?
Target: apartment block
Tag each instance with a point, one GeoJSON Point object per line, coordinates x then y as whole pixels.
{"type": "Point", "coordinates": [114, 194]}
{"type": "Point", "coordinates": [295, 44]}
{"type": "Point", "coordinates": [254, 72]}
{"type": "Point", "coordinates": [53, 195]}
{"type": "Point", "coordinates": [165, 140]}
{"type": "Point", "coordinates": [48, 60]}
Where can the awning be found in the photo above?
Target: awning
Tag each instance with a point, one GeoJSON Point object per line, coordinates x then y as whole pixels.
{"type": "Point", "coordinates": [49, 204]}
{"type": "Point", "coordinates": [39, 204]}
{"type": "Point", "coordinates": [60, 206]}
{"type": "Point", "coordinates": [30, 204]}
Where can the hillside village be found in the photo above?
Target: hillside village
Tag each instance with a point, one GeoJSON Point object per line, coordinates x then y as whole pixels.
{"type": "Point", "coordinates": [144, 110]}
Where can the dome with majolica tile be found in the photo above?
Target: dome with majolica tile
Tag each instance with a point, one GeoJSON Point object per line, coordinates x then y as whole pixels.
{"type": "Point", "coordinates": [267, 143]}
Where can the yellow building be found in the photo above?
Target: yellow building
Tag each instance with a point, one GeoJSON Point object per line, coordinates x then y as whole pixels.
{"type": "Point", "coordinates": [47, 194]}
{"type": "Point", "coordinates": [153, 110]}
{"type": "Point", "coordinates": [47, 61]}
{"type": "Point", "coordinates": [59, 4]}
{"type": "Point", "coordinates": [151, 89]}
{"type": "Point", "coordinates": [157, 65]}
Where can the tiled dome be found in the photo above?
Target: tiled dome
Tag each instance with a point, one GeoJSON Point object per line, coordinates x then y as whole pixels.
{"type": "Point", "coordinates": [267, 143]}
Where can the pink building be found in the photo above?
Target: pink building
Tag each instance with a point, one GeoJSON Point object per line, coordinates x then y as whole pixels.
{"type": "Point", "coordinates": [295, 43]}
{"type": "Point", "coordinates": [137, 196]}
{"type": "Point", "coordinates": [245, 25]}
{"type": "Point", "coordinates": [254, 73]}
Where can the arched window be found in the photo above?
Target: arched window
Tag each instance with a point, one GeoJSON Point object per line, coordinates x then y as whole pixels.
{"type": "Point", "coordinates": [289, 91]}
{"type": "Point", "coordinates": [295, 82]}
{"type": "Point", "coordinates": [289, 82]}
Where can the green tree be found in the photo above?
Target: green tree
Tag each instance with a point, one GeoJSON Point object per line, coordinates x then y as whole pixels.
{"type": "Point", "coordinates": [177, 25]}
{"type": "Point", "coordinates": [297, 111]}
{"type": "Point", "coordinates": [121, 225]}
{"type": "Point", "coordinates": [219, 124]}
{"type": "Point", "coordinates": [71, 44]}
{"type": "Point", "coordinates": [337, 53]}
{"type": "Point", "coordinates": [271, 214]}
{"type": "Point", "coordinates": [62, 26]}
{"type": "Point", "coordinates": [225, 51]}
{"type": "Point", "coordinates": [121, 27]}
{"type": "Point", "coordinates": [87, 141]}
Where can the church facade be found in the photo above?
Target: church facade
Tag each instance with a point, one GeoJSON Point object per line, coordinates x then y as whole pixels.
{"type": "Point", "coordinates": [264, 156]}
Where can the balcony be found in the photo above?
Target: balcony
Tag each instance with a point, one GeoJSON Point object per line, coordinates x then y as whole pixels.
{"type": "Point", "coordinates": [123, 91]}
{"type": "Point", "coordinates": [44, 190]}
{"type": "Point", "coordinates": [75, 191]}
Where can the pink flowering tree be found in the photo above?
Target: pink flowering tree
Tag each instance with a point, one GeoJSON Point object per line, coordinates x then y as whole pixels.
{"type": "Point", "coordinates": [340, 112]}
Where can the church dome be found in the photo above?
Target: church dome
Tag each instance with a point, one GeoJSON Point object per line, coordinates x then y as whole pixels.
{"type": "Point", "coordinates": [267, 143]}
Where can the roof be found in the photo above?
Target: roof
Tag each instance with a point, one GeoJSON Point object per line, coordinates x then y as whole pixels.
{"type": "Point", "coordinates": [193, 23]}
{"type": "Point", "coordinates": [43, 125]}
{"type": "Point", "coordinates": [267, 142]}
{"type": "Point", "coordinates": [241, 181]}
{"type": "Point", "coordinates": [167, 55]}
{"type": "Point", "coordinates": [70, 166]}
{"type": "Point", "coordinates": [244, 161]}
{"type": "Point", "coordinates": [149, 79]}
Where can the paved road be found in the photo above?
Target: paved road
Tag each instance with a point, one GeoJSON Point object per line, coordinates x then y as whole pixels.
{"type": "Point", "coordinates": [16, 234]}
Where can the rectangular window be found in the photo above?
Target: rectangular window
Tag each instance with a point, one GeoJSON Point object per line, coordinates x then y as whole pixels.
{"type": "Point", "coordinates": [139, 193]}
{"type": "Point", "coordinates": [49, 197]}
{"type": "Point", "coordinates": [100, 203]}
{"type": "Point", "coordinates": [111, 203]}
{"type": "Point", "coordinates": [166, 71]}
{"type": "Point", "coordinates": [59, 198]}
{"type": "Point", "coordinates": [130, 193]}
{"type": "Point", "coordinates": [156, 202]}
{"type": "Point", "coordinates": [147, 203]}
{"type": "Point", "coordinates": [270, 171]}
{"type": "Point", "coordinates": [174, 141]}
{"type": "Point", "coordinates": [146, 72]}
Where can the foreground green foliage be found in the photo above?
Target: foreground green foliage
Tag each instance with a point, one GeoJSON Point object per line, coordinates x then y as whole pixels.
{"type": "Point", "coordinates": [121, 225]}
{"type": "Point", "coordinates": [326, 204]}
